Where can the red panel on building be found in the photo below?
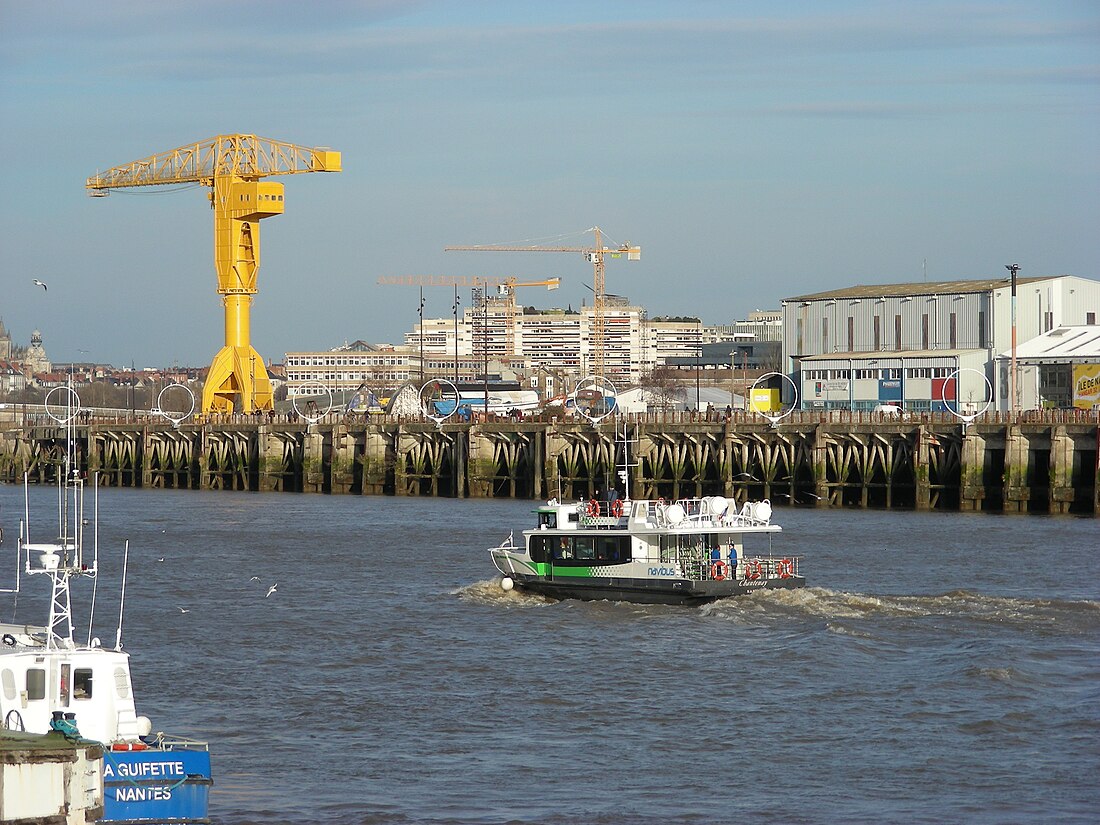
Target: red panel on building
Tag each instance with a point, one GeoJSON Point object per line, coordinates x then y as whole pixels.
{"type": "Point", "coordinates": [943, 388]}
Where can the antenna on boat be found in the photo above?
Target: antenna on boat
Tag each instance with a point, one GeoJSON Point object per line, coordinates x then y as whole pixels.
{"type": "Point", "coordinates": [624, 470]}
{"type": "Point", "coordinates": [63, 558]}
{"type": "Point", "coordinates": [95, 555]}
{"type": "Point", "coordinates": [122, 598]}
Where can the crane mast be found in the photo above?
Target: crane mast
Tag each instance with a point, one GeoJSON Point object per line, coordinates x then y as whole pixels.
{"type": "Point", "coordinates": [233, 168]}
{"type": "Point", "coordinates": [593, 254]}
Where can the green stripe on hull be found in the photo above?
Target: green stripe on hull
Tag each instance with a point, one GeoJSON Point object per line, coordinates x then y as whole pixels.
{"type": "Point", "coordinates": [571, 572]}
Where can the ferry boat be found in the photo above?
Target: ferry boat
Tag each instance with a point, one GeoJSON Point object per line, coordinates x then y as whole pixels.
{"type": "Point", "coordinates": [50, 681]}
{"type": "Point", "coordinates": [687, 552]}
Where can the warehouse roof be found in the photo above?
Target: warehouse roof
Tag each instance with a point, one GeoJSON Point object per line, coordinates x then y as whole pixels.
{"type": "Point", "coordinates": [887, 355]}
{"type": "Point", "coordinates": [922, 288]}
{"type": "Point", "coordinates": [1060, 345]}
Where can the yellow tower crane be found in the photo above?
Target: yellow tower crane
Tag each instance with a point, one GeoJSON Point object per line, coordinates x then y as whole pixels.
{"type": "Point", "coordinates": [233, 168]}
{"type": "Point", "coordinates": [595, 255]}
{"type": "Point", "coordinates": [506, 292]}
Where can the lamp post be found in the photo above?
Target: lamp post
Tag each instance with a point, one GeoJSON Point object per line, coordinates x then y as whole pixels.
{"type": "Point", "coordinates": [733, 367]}
{"type": "Point", "coordinates": [1013, 269]}
{"type": "Point", "coordinates": [455, 309]}
{"type": "Point", "coordinates": [421, 312]}
{"type": "Point", "coordinates": [698, 359]}
{"type": "Point", "coordinates": [485, 349]}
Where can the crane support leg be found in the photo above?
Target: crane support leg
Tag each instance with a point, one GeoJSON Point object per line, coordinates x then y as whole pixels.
{"type": "Point", "coordinates": [237, 372]}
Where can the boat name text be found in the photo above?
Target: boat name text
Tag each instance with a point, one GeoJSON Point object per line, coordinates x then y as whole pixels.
{"type": "Point", "coordinates": [143, 770]}
{"type": "Point", "coordinates": [133, 793]}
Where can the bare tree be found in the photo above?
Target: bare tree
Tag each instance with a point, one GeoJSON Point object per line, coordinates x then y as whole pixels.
{"type": "Point", "coordinates": [663, 387]}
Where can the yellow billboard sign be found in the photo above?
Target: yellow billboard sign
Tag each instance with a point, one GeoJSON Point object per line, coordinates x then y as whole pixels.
{"type": "Point", "coordinates": [1086, 386]}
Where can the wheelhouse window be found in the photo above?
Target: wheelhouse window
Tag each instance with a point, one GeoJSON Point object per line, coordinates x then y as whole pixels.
{"type": "Point", "coordinates": [548, 520]}
{"type": "Point", "coordinates": [82, 683]}
{"type": "Point", "coordinates": [36, 683]}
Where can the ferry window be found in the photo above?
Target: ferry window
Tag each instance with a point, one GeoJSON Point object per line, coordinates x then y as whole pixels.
{"type": "Point", "coordinates": [8, 678]}
{"type": "Point", "coordinates": [66, 674]}
{"type": "Point", "coordinates": [549, 520]}
{"type": "Point", "coordinates": [613, 548]}
{"type": "Point", "coordinates": [584, 548]}
{"type": "Point", "coordinates": [82, 683]}
{"type": "Point", "coordinates": [564, 550]}
{"type": "Point", "coordinates": [36, 683]}
{"type": "Point", "coordinates": [539, 552]}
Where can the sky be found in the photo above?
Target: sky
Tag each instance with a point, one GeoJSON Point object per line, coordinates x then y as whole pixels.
{"type": "Point", "coordinates": [754, 150]}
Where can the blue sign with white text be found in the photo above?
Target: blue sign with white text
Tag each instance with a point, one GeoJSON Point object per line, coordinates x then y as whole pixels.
{"type": "Point", "coordinates": [156, 785]}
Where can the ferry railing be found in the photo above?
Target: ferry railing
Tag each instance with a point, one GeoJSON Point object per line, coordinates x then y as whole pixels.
{"type": "Point", "coordinates": [706, 566]}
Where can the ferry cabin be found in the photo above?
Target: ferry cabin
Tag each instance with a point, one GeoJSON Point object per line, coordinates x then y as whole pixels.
{"type": "Point", "coordinates": [688, 536]}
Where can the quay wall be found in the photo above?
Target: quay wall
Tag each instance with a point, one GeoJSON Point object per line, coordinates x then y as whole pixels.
{"type": "Point", "coordinates": [1043, 462]}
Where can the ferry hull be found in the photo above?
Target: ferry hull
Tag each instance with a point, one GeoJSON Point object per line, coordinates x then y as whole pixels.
{"type": "Point", "coordinates": [653, 591]}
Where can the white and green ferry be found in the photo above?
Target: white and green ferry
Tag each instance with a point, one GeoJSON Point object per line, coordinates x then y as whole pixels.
{"type": "Point", "coordinates": [688, 551]}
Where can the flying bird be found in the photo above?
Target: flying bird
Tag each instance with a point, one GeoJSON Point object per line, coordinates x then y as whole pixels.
{"type": "Point", "coordinates": [271, 590]}
{"type": "Point", "coordinates": [161, 558]}
{"type": "Point", "coordinates": [39, 283]}
{"type": "Point", "coordinates": [183, 610]}
{"type": "Point", "coordinates": [254, 579]}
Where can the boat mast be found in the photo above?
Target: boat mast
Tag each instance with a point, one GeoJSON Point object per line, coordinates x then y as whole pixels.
{"type": "Point", "coordinates": [64, 558]}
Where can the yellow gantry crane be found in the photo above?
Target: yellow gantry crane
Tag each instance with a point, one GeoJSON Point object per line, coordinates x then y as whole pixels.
{"type": "Point", "coordinates": [233, 168]}
{"type": "Point", "coordinates": [506, 292]}
{"type": "Point", "coordinates": [595, 255]}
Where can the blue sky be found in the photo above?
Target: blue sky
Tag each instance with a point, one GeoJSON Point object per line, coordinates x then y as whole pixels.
{"type": "Point", "coordinates": [755, 150]}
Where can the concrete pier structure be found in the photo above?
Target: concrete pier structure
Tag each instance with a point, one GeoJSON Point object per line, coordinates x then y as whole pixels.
{"type": "Point", "coordinates": [1046, 463]}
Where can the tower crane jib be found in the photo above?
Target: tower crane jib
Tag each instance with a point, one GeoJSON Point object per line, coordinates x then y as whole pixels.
{"type": "Point", "coordinates": [595, 255]}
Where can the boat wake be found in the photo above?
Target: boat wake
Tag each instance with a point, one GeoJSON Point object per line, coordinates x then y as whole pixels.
{"type": "Point", "coordinates": [490, 592]}
{"type": "Point", "coordinates": [1064, 616]}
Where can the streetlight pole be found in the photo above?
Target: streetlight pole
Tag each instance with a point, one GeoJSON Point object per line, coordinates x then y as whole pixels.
{"type": "Point", "coordinates": [485, 349]}
{"type": "Point", "coordinates": [1013, 268]}
{"type": "Point", "coordinates": [455, 309]}
{"type": "Point", "coordinates": [733, 368]}
{"type": "Point", "coordinates": [698, 359]}
{"type": "Point", "coordinates": [421, 311]}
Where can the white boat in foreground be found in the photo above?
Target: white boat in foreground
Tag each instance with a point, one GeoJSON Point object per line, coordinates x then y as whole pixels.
{"type": "Point", "coordinates": [51, 682]}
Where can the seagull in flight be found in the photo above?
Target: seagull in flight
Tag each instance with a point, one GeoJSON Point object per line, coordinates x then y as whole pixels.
{"type": "Point", "coordinates": [161, 558]}
{"type": "Point", "coordinates": [183, 610]}
{"type": "Point", "coordinates": [271, 590]}
{"type": "Point", "coordinates": [254, 579]}
{"type": "Point", "coordinates": [40, 283]}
